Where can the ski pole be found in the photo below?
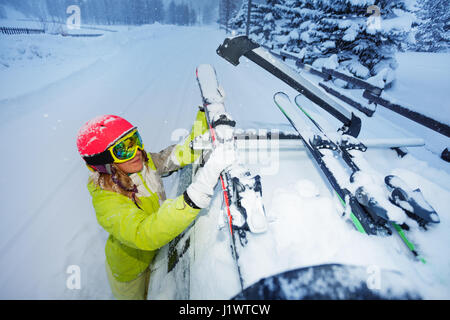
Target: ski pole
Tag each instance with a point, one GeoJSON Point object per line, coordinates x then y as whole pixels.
{"type": "Point", "coordinates": [222, 180]}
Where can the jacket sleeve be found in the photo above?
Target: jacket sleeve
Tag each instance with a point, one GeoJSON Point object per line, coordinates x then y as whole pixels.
{"type": "Point", "coordinates": [180, 155]}
{"type": "Point", "coordinates": [119, 216]}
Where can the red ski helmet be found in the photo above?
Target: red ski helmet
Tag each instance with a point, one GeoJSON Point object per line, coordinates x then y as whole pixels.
{"type": "Point", "coordinates": [97, 135]}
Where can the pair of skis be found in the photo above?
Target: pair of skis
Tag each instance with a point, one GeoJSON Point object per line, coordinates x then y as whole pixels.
{"type": "Point", "coordinates": [369, 211]}
{"type": "Point", "coordinates": [242, 191]}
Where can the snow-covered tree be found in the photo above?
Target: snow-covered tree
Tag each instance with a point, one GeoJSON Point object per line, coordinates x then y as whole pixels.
{"type": "Point", "coordinates": [262, 21]}
{"type": "Point", "coordinates": [207, 13]}
{"type": "Point", "coordinates": [434, 33]}
{"type": "Point", "coordinates": [227, 10]}
{"type": "Point", "coordinates": [158, 10]}
{"type": "Point", "coordinates": [272, 14]}
{"type": "Point", "coordinates": [361, 35]}
{"type": "Point", "coordinates": [92, 11]}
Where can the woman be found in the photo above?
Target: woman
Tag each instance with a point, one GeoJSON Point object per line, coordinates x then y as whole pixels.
{"type": "Point", "coordinates": [129, 199]}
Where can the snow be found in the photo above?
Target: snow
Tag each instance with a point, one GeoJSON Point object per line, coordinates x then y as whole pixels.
{"type": "Point", "coordinates": [147, 75]}
{"type": "Point", "coordinates": [23, 57]}
{"type": "Point", "coordinates": [306, 188]}
{"type": "Point", "coordinates": [331, 62]}
{"type": "Point", "coordinates": [358, 69]}
{"type": "Point", "coordinates": [433, 70]}
{"type": "Point", "coordinates": [402, 22]}
{"type": "Point", "coordinates": [299, 55]}
{"type": "Point", "coordinates": [351, 33]}
{"type": "Point", "coordinates": [385, 76]}
{"type": "Point", "coordinates": [329, 44]}
{"type": "Point", "coordinates": [268, 17]}
{"type": "Point", "coordinates": [305, 37]}
{"type": "Point", "coordinates": [294, 35]}
{"type": "Point", "coordinates": [11, 16]}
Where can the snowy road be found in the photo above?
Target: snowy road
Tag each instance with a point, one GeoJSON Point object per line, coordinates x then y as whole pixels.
{"type": "Point", "coordinates": [147, 75]}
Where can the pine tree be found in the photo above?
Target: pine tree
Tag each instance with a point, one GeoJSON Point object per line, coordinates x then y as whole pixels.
{"type": "Point", "coordinates": [158, 10]}
{"type": "Point", "coordinates": [271, 14]}
{"type": "Point", "coordinates": [238, 22]}
{"type": "Point", "coordinates": [434, 33]}
{"type": "Point", "coordinates": [192, 16]}
{"type": "Point", "coordinates": [171, 16]}
{"type": "Point", "coordinates": [227, 10]}
{"type": "Point", "coordinates": [350, 31]}
{"type": "Point", "coordinates": [183, 14]}
{"type": "Point", "coordinates": [207, 13]}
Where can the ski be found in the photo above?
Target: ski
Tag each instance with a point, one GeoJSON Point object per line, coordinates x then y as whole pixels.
{"type": "Point", "coordinates": [242, 191]}
{"type": "Point", "coordinates": [233, 48]}
{"type": "Point", "coordinates": [411, 202]}
{"type": "Point", "coordinates": [369, 205]}
{"type": "Point", "coordinates": [314, 144]}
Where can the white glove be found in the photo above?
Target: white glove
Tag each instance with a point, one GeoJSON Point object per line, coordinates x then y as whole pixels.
{"type": "Point", "coordinates": [202, 142]}
{"type": "Point", "coordinates": [202, 188]}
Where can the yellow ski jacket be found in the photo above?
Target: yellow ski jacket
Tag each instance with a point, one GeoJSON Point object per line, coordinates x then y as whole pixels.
{"type": "Point", "coordinates": [137, 233]}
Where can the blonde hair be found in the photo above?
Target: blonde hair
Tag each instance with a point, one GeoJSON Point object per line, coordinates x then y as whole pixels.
{"type": "Point", "coordinates": [118, 181]}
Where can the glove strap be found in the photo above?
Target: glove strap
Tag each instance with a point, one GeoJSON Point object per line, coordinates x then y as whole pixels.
{"type": "Point", "coordinates": [189, 201]}
{"type": "Point", "coordinates": [223, 120]}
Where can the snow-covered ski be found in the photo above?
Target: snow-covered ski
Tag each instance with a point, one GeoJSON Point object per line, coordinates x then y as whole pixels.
{"type": "Point", "coordinates": [371, 205]}
{"type": "Point", "coordinates": [242, 191]}
{"type": "Point", "coordinates": [411, 201]}
{"type": "Point", "coordinates": [313, 143]}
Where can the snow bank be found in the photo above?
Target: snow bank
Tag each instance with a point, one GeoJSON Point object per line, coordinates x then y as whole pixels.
{"type": "Point", "coordinates": [52, 57]}
{"type": "Point", "coordinates": [424, 83]}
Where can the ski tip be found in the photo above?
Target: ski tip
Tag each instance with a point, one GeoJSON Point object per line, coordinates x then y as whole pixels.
{"type": "Point", "coordinates": [281, 95]}
{"type": "Point", "coordinates": [298, 96]}
{"type": "Point", "coordinates": [418, 257]}
{"type": "Point", "coordinates": [204, 67]}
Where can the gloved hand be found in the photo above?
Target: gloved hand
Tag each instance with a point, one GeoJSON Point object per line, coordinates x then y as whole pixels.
{"type": "Point", "coordinates": [202, 142]}
{"type": "Point", "coordinates": [202, 188]}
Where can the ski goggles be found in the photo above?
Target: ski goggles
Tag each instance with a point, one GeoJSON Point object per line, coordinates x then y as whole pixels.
{"type": "Point", "coordinates": [126, 148]}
